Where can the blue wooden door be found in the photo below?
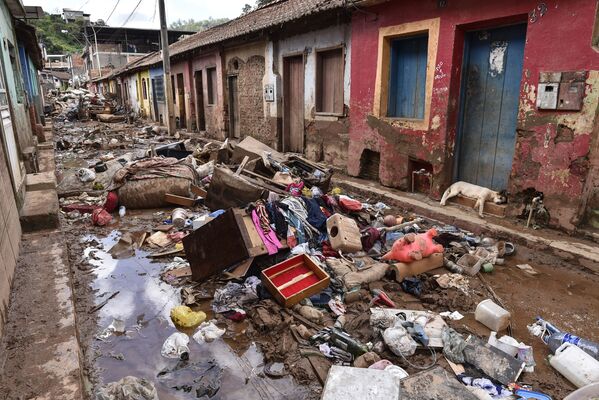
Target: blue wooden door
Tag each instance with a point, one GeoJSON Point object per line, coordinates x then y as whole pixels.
{"type": "Point", "coordinates": [489, 106]}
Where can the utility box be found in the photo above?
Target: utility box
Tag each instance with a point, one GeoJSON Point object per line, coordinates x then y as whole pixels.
{"type": "Point", "coordinates": [570, 96]}
{"type": "Point", "coordinates": [547, 97]}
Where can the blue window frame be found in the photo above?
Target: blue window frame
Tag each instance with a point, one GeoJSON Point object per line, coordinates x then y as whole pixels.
{"type": "Point", "coordinates": [407, 77]}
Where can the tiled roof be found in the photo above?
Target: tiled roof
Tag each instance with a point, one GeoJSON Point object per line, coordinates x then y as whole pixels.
{"type": "Point", "coordinates": [273, 14]}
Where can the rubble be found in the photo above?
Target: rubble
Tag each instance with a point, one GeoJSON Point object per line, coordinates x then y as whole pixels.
{"type": "Point", "coordinates": [257, 246]}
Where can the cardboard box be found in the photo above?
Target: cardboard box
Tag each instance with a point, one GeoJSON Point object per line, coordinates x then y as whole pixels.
{"type": "Point", "coordinates": [295, 279]}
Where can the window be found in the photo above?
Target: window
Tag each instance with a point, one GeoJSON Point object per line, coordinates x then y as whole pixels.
{"type": "Point", "coordinates": [3, 95]}
{"type": "Point", "coordinates": [158, 87]}
{"type": "Point", "coordinates": [407, 77]}
{"type": "Point", "coordinates": [211, 78]}
{"type": "Point", "coordinates": [329, 81]}
{"type": "Point", "coordinates": [174, 92]}
{"type": "Point", "coordinates": [16, 73]}
{"type": "Point", "coordinates": [407, 56]}
{"type": "Point", "coordinates": [144, 88]}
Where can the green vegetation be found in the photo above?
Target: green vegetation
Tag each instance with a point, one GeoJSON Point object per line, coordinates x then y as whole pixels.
{"type": "Point", "coordinates": [58, 36]}
{"type": "Point", "coordinates": [197, 26]}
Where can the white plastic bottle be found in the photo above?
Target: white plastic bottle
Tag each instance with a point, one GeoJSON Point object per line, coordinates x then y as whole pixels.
{"type": "Point", "coordinates": [577, 366]}
{"type": "Point", "coordinates": [492, 316]}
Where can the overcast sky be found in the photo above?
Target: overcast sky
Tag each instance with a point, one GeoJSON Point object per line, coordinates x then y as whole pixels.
{"type": "Point", "coordinates": [143, 17]}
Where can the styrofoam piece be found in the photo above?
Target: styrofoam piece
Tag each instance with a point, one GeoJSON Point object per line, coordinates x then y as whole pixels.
{"type": "Point", "coordinates": [345, 383]}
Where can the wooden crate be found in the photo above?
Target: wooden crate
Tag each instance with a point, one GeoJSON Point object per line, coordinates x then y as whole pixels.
{"type": "Point", "coordinates": [295, 279]}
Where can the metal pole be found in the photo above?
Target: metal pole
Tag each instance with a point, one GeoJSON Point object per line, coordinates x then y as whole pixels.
{"type": "Point", "coordinates": [97, 53]}
{"type": "Point", "coordinates": [166, 63]}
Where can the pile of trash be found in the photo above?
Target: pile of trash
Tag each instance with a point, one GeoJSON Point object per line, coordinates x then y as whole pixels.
{"type": "Point", "coordinates": [83, 105]}
{"type": "Point", "coordinates": [325, 273]}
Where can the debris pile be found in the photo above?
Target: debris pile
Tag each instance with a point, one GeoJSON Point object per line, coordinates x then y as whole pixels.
{"type": "Point", "coordinates": [335, 288]}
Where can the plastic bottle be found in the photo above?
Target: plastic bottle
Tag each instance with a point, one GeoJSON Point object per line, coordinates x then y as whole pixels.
{"type": "Point", "coordinates": [577, 366]}
{"type": "Point", "coordinates": [557, 339]}
{"type": "Point", "coordinates": [122, 211]}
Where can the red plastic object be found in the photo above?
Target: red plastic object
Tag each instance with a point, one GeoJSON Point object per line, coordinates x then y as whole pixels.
{"type": "Point", "coordinates": [349, 204]}
{"type": "Point", "coordinates": [112, 201]}
{"type": "Point", "coordinates": [382, 298]}
{"type": "Point", "coordinates": [101, 217]}
{"type": "Point", "coordinates": [414, 247]}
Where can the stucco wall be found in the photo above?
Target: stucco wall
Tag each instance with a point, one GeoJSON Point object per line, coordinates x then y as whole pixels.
{"type": "Point", "coordinates": [326, 137]}
{"type": "Point", "coordinates": [215, 114]}
{"type": "Point", "coordinates": [557, 41]}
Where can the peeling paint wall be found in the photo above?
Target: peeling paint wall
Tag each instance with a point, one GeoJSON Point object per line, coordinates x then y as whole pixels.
{"type": "Point", "coordinates": [552, 148]}
{"type": "Point", "coordinates": [215, 113]}
{"type": "Point", "coordinates": [326, 136]}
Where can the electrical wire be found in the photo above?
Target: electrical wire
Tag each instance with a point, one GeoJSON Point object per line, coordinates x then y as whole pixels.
{"type": "Point", "coordinates": [112, 12]}
{"type": "Point", "coordinates": [130, 15]}
{"type": "Point", "coordinates": [155, 8]}
{"type": "Point", "coordinates": [83, 5]}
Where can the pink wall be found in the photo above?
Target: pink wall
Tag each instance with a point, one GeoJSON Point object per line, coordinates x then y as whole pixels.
{"type": "Point", "coordinates": [560, 40]}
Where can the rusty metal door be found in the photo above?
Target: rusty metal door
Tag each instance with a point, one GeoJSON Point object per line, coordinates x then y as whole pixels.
{"type": "Point", "coordinates": [234, 129]}
{"type": "Point", "coordinates": [293, 104]}
{"type": "Point", "coordinates": [489, 105]}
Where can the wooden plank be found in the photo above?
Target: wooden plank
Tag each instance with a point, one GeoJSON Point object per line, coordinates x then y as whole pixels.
{"type": "Point", "coordinates": [179, 200]}
{"type": "Point", "coordinates": [242, 165]}
{"type": "Point", "coordinates": [198, 191]}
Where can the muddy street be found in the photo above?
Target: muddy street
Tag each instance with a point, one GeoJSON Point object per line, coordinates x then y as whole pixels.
{"type": "Point", "coordinates": [132, 266]}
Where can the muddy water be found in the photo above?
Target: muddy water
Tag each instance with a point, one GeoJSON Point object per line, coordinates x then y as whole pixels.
{"type": "Point", "coordinates": [144, 304]}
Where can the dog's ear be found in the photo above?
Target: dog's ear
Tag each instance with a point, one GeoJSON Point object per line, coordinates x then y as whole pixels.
{"type": "Point", "coordinates": [504, 193]}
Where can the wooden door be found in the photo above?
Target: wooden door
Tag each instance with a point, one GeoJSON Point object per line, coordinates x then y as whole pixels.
{"type": "Point", "coordinates": [234, 128]}
{"type": "Point", "coordinates": [489, 107]}
{"type": "Point", "coordinates": [181, 100]}
{"type": "Point", "coordinates": [293, 104]}
{"type": "Point", "coordinates": [199, 86]}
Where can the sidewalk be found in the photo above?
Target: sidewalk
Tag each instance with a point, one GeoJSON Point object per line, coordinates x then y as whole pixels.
{"type": "Point", "coordinates": [575, 251]}
{"type": "Point", "coordinates": [40, 351]}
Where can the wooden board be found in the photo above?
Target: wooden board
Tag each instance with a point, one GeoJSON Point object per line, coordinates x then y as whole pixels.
{"type": "Point", "coordinates": [179, 200]}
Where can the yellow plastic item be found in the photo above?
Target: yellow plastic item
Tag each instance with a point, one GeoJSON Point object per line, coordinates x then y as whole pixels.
{"type": "Point", "coordinates": [185, 317]}
{"type": "Point", "coordinates": [306, 192]}
{"type": "Point", "coordinates": [336, 191]}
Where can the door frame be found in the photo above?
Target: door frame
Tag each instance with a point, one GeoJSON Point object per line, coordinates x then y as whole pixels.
{"type": "Point", "coordinates": [285, 136]}
{"type": "Point", "coordinates": [464, 31]}
{"type": "Point", "coordinates": [181, 99]}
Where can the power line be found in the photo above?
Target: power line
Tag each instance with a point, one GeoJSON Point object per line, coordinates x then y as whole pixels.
{"type": "Point", "coordinates": [83, 5]}
{"type": "Point", "coordinates": [155, 7]}
{"type": "Point", "coordinates": [132, 12]}
{"type": "Point", "coordinates": [112, 12]}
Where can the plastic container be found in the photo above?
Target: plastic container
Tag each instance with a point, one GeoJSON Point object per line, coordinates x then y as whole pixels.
{"type": "Point", "coordinates": [470, 264]}
{"type": "Point", "coordinates": [507, 344]}
{"type": "Point", "coordinates": [492, 316]}
{"type": "Point", "coordinates": [344, 234]}
{"type": "Point", "coordinates": [585, 393]}
{"type": "Point", "coordinates": [179, 217]}
{"type": "Point", "coordinates": [555, 341]}
{"type": "Point", "coordinates": [577, 366]}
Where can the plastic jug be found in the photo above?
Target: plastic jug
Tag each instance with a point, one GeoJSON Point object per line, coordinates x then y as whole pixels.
{"type": "Point", "coordinates": [344, 234]}
{"type": "Point", "coordinates": [492, 316]}
{"type": "Point", "coordinates": [577, 366]}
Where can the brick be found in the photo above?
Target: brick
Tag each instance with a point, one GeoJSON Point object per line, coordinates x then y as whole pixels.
{"type": "Point", "coordinates": [41, 181]}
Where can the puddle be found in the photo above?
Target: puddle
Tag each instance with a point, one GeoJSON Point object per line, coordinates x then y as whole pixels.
{"type": "Point", "coordinates": [144, 304]}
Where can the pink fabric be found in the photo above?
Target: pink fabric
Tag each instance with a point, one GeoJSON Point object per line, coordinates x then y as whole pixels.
{"type": "Point", "coordinates": [270, 239]}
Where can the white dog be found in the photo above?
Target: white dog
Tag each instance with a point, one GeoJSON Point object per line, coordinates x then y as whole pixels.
{"type": "Point", "coordinates": [481, 194]}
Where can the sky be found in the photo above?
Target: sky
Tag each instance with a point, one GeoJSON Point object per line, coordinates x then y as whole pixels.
{"type": "Point", "coordinates": [145, 16]}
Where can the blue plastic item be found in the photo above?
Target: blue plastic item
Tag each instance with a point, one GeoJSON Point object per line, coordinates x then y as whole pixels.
{"type": "Point", "coordinates": [529, 394]}
{"type": "Point", "coordinates": [216, 213]}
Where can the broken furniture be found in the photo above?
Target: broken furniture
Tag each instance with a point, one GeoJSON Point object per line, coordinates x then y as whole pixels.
{"type": "Point", "coordinates": [228, 189]}
{"type": "Point", "coordinates": [226, 240]}
{"type": "Point", "coordinates": [294, 279]}
{"type": "Point", "coordinates": [403, 270]}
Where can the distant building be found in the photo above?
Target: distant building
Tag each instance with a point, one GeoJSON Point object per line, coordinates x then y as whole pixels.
{"type": "Point", "coordinates": [69, 15]}
{"type": "Point", "coordinates": [108, 48]}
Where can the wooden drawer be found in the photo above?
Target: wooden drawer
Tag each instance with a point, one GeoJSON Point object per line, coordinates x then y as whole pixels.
{"type": "Point", "coordinates": [295, 279]}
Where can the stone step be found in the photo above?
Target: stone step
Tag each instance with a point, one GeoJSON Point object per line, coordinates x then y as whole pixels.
{"type": "Point", "coordinates": [40, 211]}
{"type": "Point", "coordinates": [40, 181]}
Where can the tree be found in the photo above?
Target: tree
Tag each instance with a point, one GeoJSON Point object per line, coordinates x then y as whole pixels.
{"type": "Point", "coordinates": [58, 36]}
{"type": "Point", "coordinates": [196, 26]}
{"type": "Point", "coordinates": [246, 9]}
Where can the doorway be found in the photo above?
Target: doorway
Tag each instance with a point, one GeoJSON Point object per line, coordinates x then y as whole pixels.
{"type": "Point", "coordinates": [293, 104]}
{"type": "Point", "coordinates": [199, 86]}
{"type": "Point", "coordinates": [181, 100]}
{"type": "Point", "coordinates": [489, 105]}
{"type": "Point", "coordinates": [234, 129]}
{"type": "Point", "coordinates": [155, 98]}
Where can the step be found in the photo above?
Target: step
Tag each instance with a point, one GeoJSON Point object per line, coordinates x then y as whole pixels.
{"type": "Point", "coordinates": [40, 211]}
{"type": "Point", "coordinates": [40, 181]}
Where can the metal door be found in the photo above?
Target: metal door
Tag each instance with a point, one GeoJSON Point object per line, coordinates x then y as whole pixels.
{"type": "Point", "coordinates": [489, 105]}
{"type": "Point", "coordinates": [293, 104]}
{"type": "Point", "coordinates": [234, 129]}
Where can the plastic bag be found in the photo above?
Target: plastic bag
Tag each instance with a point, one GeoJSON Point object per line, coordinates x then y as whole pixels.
{"type": "Point", "coordinates": [176, 346]}
{"type": "Point", "coordinates": [86, 175]}
{"type": "Point", "coordinates": [208, 332]}
{"type": "Point", "coordinates": [185, 317]}
{"type": "Point", "coordinates": [101, 217]}
{"type": "Point", "coordinates": [399, 340]}
{"type": "Point", "coordinates": [128, 388]}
